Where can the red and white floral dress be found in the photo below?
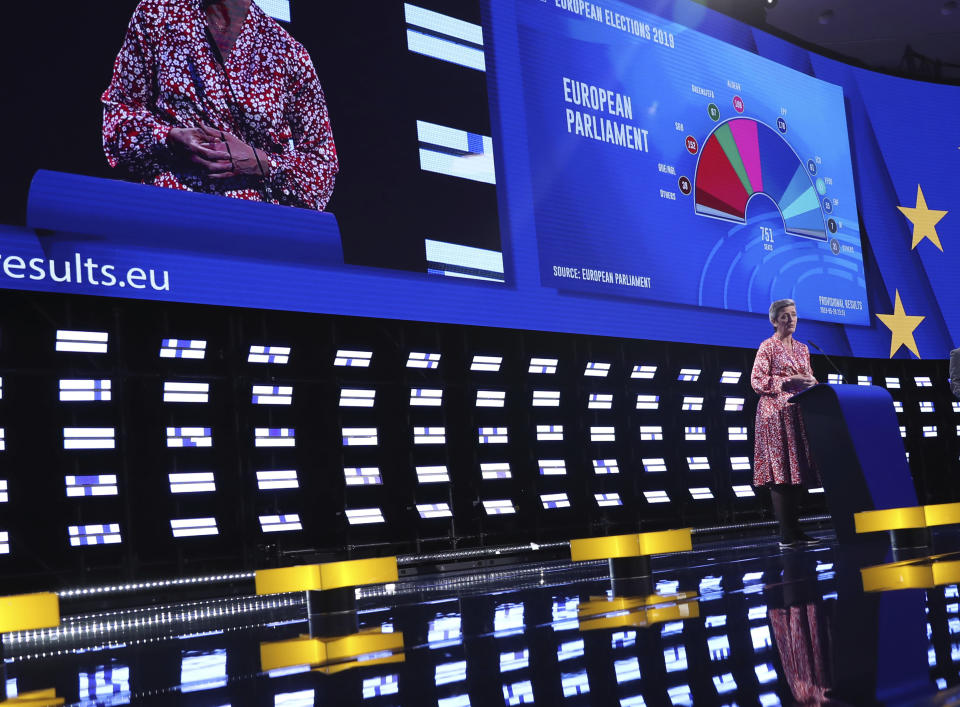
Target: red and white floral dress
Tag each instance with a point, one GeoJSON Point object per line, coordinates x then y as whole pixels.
{"type": "Point", "coordinates": [781, 452]}
{"type": "Point", "coordinates": [267, 93]}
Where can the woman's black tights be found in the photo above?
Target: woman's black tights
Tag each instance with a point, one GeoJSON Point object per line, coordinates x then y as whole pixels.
{"type": "Point", "coordinates": [784, 497]}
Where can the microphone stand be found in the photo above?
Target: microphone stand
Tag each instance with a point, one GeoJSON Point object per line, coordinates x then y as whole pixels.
{"type": "Point", "coordinates": [832, 364]}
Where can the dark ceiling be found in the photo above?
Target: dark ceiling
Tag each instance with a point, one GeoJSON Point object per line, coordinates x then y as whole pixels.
{"type": "Point", "coordinates": [916, 38]}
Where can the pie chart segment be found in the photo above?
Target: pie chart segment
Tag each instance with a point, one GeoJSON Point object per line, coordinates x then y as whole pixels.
{"type": "Point", "coordinates": [718, 186]}
{"type": "Point", "coordinates": [744, 157]}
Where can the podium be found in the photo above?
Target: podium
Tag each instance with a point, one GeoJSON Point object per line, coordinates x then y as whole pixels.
{"type": "Point", "coordinates": [855, 441]}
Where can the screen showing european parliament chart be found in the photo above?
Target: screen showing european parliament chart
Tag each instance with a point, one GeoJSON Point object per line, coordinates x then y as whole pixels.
{"type": "Point", "coordinates": [668, 165]}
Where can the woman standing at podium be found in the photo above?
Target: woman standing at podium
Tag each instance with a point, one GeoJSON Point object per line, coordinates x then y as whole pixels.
{"type": "Point", "coordinates": [781, 457]}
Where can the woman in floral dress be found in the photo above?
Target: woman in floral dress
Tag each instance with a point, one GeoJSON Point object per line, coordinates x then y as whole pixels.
{"type": "Point", "coordinates": [781, 457]}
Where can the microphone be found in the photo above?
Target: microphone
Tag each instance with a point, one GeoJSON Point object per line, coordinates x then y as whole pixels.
{"type": "Point", "coordinates": [832, 364]}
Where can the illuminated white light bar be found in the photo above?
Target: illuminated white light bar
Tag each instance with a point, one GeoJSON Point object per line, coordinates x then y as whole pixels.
{"type": "Point", "coordinates": [359, 436]}
{"type": "Point", "coordinates": [357, 398]}
{"type": "Point", "coordinates": [499, 507]}
{"type": "Point", "coordinates": [492, 435]}
{"type": "Point", "coordinates": [456, 153]}
{"type": "Point", "coordinates": [929, 430]}
{"type": "Point", "coordinates": [4, 487]}
{"type": "Point", "coordinates": [546, 399]}
{"type": "Point", "coordinates": [956, 406]}
{"type": "Point", "coordinates": [575, 683]}
{"type": "Point", "coordinates": [546, 366]}
{"type": "Point", "coordinates": [418, 359]}
{"type": "Point", "coordinates": [903, 431]}
{"type": "Point", "coordinates": [626, 670]}
{"type": "Point", "coordinates": [1, 387]}
{"type": "Point", "coordinates": [695, 434]}
{"type": "Point", "coordinates": [600, 401]}
{"type": "Point", "coordinates": [958, 430]}
{"type": "Point", "coordinates": [926, 406]}
{"type": "Point", "coordinates": [274, 480]}
{"type": "Point", "coordinates": [189, 437]}
{"type": "Point", "coordinates": [280, 523]}
{"type": "Point", "coordinates": [491, 398]}
{"type": "Point", "coordinates": [445, 38]}
{"type": "Point", "coordinates": [426, 397]}
{"type": "Point", "coordinates": [549, 433]}
{"type": "Point", "coordinates": [193, 527]}
{"type": "Point", "coordinates": [923, 381]}
{"type": "Point", "coordinates": [737, 434]}
{"type": "Point", "coordinates": [3, 441]}
{"type": "Point", "coordinates": [892, 382]}
{"type": "Point", "coordinates": [5, 550]}
{"type": "Point", "coordinates": [183, 348]}
{"type": "Point", "coordinates": [600, 433]}
{"type": "Point", "coordinates": [84, 390]}
{"type": "Point", "coordinates": [698, 463]}
{"type": "Point", "coordinates": [605, 466]}
{"type": "Point", "coordinates": [743, 491]}
{"type": "Point", "coordinates": [897, 406]}
{"type": "Point", "coordinates": [734, 404]}
{"type": "Point", "coordinates": [607, 499]}
{"type": "Point", "coordinates": [429, 435]}
{"type": "Point", "coordinates": [174, 392]}
{"type": "Point", "coordinates": [434, 510]}
{"type": "Point", "coordinates": [689, 374]}
{"type": "Point", "coordinates": [552, 467]}
{"type": "Point", "coordinates": [491, 471]}
{"type": "Point", "coordinates": [372, 687]}
{"type": "Point", "coordinates": [462, 261]}
{"type": "Point", "coordinates": [432, 474]}
{"type": "Point", "coordinates": [272, 395]}
{"type": "Point", "coordinates": [819, 489]}
{"type": "Point", "coordinates": [278, 10]}
{"type": "Point", "coordinates": [554, 500]}
{"type": "Point", "coordinates": [447, 673]}
{"type": "Point", "coordinates": [101, 534]}
{"type": "Point", "coordinates": [692, 403]}
{"type": "Point", "coordinates": [518, 693]}
{"type": "Point", "coordinates": [276, 437]}
{"type": "Point", "coordinates": [192, 482]}
{"type": "Point", "coordinates": [648, 402]}
{"type": "Point", "coordinates": [651, 433]}
{"type": "Point", "coordinates": [701, 493]}
{"type": "Point", "coordinates": [599, 370]}
{"type": "Point", "coordinates": [86, 438]}
{"type": "Point", "coordinates": [654, 464]}
{"type": "Point", "coordinates": [95, 485]}
{"type": "Point", "coordinates": [269, 354]}
{"type": "Point", "coordinates": [864, 380]}
{"type": "Point", "coordinates": [730, 377]}
{"type": "Point", "coordinates": [834, 378]}
{"type": "Point", "coordinates": [514, 660]}
{"type": "Point", "coordinates": [740, 464]}
{"type": "Point", "coordinates": [362, 476]}
{"type": "Point", "coordinates": [364, 516]}
{"type": "Point", "coordinates": [82, 341]}
{"type": "Point", "coordinates": [644, 372]}
{"type": "Point", "coordinates": [486, 363]}
{"type": "Point", "coordinates": [353, 359]}
{"type": "Point", "coordinates": [570, 650]}
{"type": "Point", "coordinates": [656, 496]}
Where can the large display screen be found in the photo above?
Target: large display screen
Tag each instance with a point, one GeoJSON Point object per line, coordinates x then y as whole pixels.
{"type": "Point", "coordinates": [629, 168]}
{"type": "Point", "coordinates": [669, 165]}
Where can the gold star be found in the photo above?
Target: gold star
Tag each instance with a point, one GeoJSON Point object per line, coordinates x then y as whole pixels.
{"type": "Point", "coordinates": [924, 220]}
{"type": "Point", "coordinates": [901, 325]}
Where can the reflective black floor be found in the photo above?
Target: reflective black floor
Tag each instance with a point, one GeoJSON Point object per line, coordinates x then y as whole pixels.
{"type": "Point", "coordinates": [736, 623]}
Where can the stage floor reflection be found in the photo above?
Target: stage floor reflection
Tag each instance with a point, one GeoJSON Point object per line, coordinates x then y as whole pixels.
{"type": "Point", "coordinates": [732, 623]}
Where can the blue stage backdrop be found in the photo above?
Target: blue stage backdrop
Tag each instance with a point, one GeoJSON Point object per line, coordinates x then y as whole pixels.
{"type": "Point", "coordinates": [661, 171]}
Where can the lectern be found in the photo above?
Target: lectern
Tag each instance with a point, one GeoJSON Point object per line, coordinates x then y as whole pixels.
{"type": "Point", "coordinates": [855, 441]}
